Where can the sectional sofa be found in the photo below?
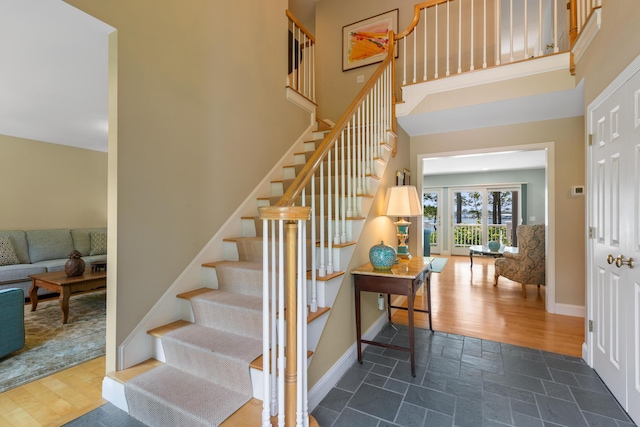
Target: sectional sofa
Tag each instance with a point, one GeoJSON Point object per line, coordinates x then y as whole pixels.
{"type": "Point", "coordinates": [40, 251]}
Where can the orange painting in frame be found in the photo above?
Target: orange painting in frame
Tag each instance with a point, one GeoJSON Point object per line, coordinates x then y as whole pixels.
{"type": "Point", "coordinates": [367, 42]}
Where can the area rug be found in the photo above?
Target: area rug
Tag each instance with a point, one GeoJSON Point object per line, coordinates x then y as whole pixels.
{"type": "Point", "coordinates": [51, 346]}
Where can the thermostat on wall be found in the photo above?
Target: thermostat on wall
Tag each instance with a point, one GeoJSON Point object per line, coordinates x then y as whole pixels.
{"type": "Point", "coordinates": [577, 190]}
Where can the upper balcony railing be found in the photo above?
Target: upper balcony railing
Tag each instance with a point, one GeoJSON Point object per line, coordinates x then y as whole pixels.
{"type": "Point", "coordinates": [582, 10]}
{"type": "Point", "coordinates": [449, 37]}
{"type": "Point", "coordinates": [302, 59]}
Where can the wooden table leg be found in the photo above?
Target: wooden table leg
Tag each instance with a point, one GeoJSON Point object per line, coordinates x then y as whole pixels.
{"type": "Point", "coordinates": [412, 351]}
{"type": "Point", "coordinates": [64, 303]}
{"type": "Point", "coordinates": [428, 285]}
{"type": "Point", "coordinates": [33, 295]}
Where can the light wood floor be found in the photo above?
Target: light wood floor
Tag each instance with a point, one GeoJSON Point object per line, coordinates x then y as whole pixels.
{"type": "Point", "coordinates": [464, 302]}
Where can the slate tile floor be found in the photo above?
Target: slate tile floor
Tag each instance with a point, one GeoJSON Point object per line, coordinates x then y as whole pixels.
{"type": "Point", "coordinates": [460, 381]}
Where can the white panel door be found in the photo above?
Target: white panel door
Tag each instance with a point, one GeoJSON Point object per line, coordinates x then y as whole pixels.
{"type": "Point", "coordinates": [614, 207]}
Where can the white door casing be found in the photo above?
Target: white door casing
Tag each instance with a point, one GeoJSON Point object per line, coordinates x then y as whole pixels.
{"type": "Point", "coordinates": [613, 210]}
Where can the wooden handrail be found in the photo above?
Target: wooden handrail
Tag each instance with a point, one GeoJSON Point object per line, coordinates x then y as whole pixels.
{"type": "Point", "coordinates": [301, 180]}
{"type": "Point", "coordinates": [299, 25]}
{"type": "Point", "coordinates": [416, 16]}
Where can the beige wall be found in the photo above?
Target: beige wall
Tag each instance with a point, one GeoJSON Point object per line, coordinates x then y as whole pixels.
{"type": "Point", "coordinates": [568, 138]}
{"type": "Point", "coordinates": [201, 118]}
{"type": "Point", "coordinates": [613, 48]}
{"type": "Point", "coordinates": [51, 186]}
{"type": "Point", "coordinates": [336, 89]}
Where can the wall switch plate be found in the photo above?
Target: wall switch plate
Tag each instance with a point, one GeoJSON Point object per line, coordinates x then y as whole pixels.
{"type": "Point", "coordinates": [360, 78]}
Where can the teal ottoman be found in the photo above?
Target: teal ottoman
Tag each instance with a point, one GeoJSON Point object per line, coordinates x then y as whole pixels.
{"type": "Point", "coordinates": [11, 321]}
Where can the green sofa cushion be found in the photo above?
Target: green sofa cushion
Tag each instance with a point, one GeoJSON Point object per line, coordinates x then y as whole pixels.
{"type": "Point", "coordinates": [49, 244]}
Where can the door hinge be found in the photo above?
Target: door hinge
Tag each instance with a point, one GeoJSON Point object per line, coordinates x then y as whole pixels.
{"type": "Point", "coordinates": [590, 139]}
{"type": "Point", "coordinates": [590, 325]}
{"type": "Point", "coordinates": [592, 232]}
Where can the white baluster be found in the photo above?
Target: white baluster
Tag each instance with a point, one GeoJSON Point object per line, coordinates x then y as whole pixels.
{"type": "Point", "coordinates": [448, 71]}
{"type": "Point", "coordinates": [525, 53]}
{"type": "Point", "coordinates": [322, 270]}
{"type": "Point", "coordinates": [498, 25]}
{"type": "Point", "coordinates": [281, 328]}
{"type": "Point", "coordinates": [350, 210]}
{"type": "Point", "coordinates": [266, 330]}
{"type": "Point", "coordinates": [435, 76]}
{"type": "Point", "coordinates": [328, 220]}
{"type": "Point", "coordinates": [424, 76]}
{"type": "Point", "coordinates": [314, 283]}
{"type": "Point", "coordinates": [556, 49]}
{"type": "Point", "coordinates": [460, 37]}
{"type": "Point", "coordinates": [472, 36]}
{"type": "Point", "coordinates": [274, 310]}
{"type": "Point", "coordinates": [404, 55]}
{"type": "Point", "coordinates": [540, 28]}
{"type": "Point", "coordinates": [415, 47]}
{"type": "Point", "coordinates": [343, 193]}
{"type": "Point", "coordinates": [336, 193]}
{"type": "Point", "coordinates": [301, 320]}
{"type": "Point", "coordinates": [484, 36]}
{"type": "Point", "coordinates": [510, 30]}
{"type": "Point", "coordinates": [302, 308]}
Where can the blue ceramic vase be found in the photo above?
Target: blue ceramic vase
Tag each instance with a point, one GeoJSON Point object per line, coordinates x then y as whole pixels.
{"type": "Point", "coordinates": [493, 246]}
{"type": "Point", "coordinates": [382, 256]}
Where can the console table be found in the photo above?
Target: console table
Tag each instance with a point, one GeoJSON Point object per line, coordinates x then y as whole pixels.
{"type": "Point", "coordinates": [403, 279]}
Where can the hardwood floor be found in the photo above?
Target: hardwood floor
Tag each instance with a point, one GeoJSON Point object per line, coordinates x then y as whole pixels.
{"type": "Point", "coordinates": [54, 400]}
{"type": "Point", "coordinates": [464, 302]}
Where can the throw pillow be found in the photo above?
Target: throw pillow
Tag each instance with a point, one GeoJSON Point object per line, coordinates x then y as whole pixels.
{"type": "Point", "coordinates": [98, 243]}
{"type": "Point", "coordinates": [7, 254]}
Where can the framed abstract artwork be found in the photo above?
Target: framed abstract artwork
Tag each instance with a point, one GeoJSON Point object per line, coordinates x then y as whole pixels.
{"type": "Point", "coordinates": [367, 42]}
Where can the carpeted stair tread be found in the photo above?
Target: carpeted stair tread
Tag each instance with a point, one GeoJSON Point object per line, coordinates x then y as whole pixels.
{"type": "Point", "coordinates": [168, 396]}
{"type": "Point", "coordinates": [223, 309]}
{"type": "Point", "coordinates": [240, 276]}
{"type": "Point", "coordinates": [228, 345]}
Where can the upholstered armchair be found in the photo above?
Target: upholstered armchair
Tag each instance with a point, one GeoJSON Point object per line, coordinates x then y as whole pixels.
{"type": "Point", "coordinates": [527, 266]}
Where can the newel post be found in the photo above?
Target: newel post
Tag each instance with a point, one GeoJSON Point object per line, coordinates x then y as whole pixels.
{"type": "Point", "coordinates": [291, 310]}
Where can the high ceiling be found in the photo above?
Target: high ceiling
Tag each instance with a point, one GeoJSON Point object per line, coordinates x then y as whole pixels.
{"type": "Point", "coordinates": [53, 78]}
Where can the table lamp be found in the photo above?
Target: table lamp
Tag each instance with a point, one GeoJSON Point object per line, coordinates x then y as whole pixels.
{"type": "Point", "coordinates": [403, 201]}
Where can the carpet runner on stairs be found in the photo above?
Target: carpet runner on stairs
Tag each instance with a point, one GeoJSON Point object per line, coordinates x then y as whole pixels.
{"type": "Point", "coordinates": [206, 375]}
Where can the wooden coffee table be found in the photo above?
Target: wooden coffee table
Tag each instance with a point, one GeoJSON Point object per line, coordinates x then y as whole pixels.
{"type": "Point", "coordinates": [59, 282]}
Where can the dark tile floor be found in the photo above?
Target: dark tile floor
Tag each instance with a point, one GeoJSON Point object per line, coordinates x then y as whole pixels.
{"type": "Point", "coordinates": [460, 381]}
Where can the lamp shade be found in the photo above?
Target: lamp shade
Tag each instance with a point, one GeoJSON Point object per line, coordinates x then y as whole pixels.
{"type": "Point", "coordinates": [403, 201]}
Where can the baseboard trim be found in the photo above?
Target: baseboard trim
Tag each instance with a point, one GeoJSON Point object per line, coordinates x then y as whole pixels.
{"type": "Point", "coordinates": [570, 310]}
{"type": "Point", "coordinates": [333, 375]}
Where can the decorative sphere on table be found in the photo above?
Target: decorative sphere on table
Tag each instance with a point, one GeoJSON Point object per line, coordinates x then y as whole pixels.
{"type": "Point", "coordinates": [493, 245]}
{"type": "Point", "coordinates": [74, 265]}
{"type": "Point", "coordinates": [382, 257]}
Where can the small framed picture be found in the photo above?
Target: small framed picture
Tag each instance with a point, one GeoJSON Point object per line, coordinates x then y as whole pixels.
{"type": "Point", "coordinates": [367, 42]}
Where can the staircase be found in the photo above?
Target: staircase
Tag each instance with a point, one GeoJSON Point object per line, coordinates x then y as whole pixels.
{"type": "Point", "coordinates": [215, 353]}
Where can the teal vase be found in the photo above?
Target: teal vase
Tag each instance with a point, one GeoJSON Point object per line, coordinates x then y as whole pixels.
{"type": "Point", "coordinates": [382, 256]}
{"type": "Point", "coordinates": [493, 246]}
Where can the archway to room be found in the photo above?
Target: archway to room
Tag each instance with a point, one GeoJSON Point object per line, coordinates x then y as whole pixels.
{"type": "Point", "coordinates": [525, 171]}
